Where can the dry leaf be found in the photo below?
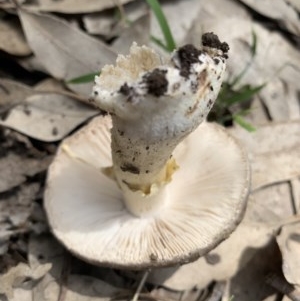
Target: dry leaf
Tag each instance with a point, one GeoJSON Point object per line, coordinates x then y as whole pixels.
{"type": "Point", "coordinates": [274, 160]}
{"type": "Point", "coordinates": [75, 6]}
{"type": "Point", "coordinates": [11, 93]}
{"type": "Point", "coordinates": [107, 24]}
{"type": "Point", "coordinates": [279, 10]}
{"type": "Point", "coordinates": [273, 137]}
{"type": "Point", "coordinates": [65, 51]}
{"type": "Point", "coordinates": [15, 168]}
{"type": "Point", "coordinates": [275, 167]}
{"type": "Point", "coordinates": [295, 4]}
{"type": "Point", "coordinates": [137, 32]}
{"type": "Point", "coordinates": [48, 117]}
{"type": "Point", "coordinates": [289, 244]}
{"type": "Point", "coordinates": [12, 39]}
{"type": "Point", "coordinates": [16, 275]}
{"type": "Point", "coordinates": [45, 250]}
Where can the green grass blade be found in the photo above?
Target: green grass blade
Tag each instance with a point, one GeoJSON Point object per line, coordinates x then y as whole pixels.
{"type": "Point", "coordinates": [159, 42]}
{"type": "Point", "coordinates": [83, 79]}
{"type": "Point", "coordinates": [243, 123]}
{"type": "Point", "coordinates": [254, 43]}
{"type": "Point", "coordinates": [243, 94]}
{"type": "Point", "coordinates": [163, 23]}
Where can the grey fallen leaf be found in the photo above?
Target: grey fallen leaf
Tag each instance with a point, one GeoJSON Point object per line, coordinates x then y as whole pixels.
{"type": "Point", "coordinates": [20, 294]}
{"type": "Point", "coordinates": [265, 138]}
{"type": "Point", "coordinates": [16, 275]}
{"type": "Point", "coordinates": [295, 4]}
{"type": "Point", "coordinates": [107, 24]}
{"type": "Point", "coordinates": [137, 32]}
{"type": "Point", "coordinates": [282, 74]}
{"type": "Point", "coordinates": [271, 204]}
{"type": "Point", "coordinates": [48, 117]}
{"type": "Point", "coordinates": [15, 168]}
{"type": "Point", "coordinates": [42, 250]}
{"type": "Point", "coordinates": [273, 160]}
{"type": "Point", "coordinates": [85, 288]}
{"type": "Point", "coordinates": [275, 167]}
{"type": "Point", "coordinates": [45, 249]}
{"type": "Point", "coordinates": [12, 39]}
{"type": "Point", "coordinates": [65, 51]}
{"type": "Point", "coordinates": [289, 243]}
{"type": "Point", "coordinates": [279, 10]}
{"type": "Point", "coordinates": [74, 6]}
{"type": "Point", "coordinates": [12, 92]}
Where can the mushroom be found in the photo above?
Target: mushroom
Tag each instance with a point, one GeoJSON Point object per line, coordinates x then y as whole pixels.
{"type": "Point", "coordinates": [146, 186]}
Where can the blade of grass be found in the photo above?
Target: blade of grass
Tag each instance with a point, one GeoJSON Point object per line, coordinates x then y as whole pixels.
{"type": "Point", "coordinates": [83, 79]}
{"type": "Point", "coordinates": [163, 23]}
{"type": "Point", "coordinates": [243, 94]}
{"type": "Point", "coordinates": [159, 42]}
{"type": "Point", "coordinates": [243, 123]}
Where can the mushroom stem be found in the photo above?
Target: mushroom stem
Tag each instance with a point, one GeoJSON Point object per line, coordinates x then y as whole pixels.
{"type": "Point", "coordinates": [154, 107]}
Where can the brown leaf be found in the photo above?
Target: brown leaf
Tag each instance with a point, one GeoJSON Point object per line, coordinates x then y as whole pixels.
{"type": "Point", "coordinates": [12, 39]}
{"type": "Point", "coordinates": [65, 51]}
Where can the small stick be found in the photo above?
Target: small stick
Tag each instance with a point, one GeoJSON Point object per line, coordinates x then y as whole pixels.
{"type": "Point", "coordinates": [141, 284]}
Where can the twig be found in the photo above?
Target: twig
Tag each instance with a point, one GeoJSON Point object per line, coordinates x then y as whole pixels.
{"type": "Point", "coordinates": [140, 287]}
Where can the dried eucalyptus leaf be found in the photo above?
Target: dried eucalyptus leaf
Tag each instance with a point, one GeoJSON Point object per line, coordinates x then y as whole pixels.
{"type": "Point", "coordinates": [137, 32]}
{"type": "Point", "coordinates": [65, 51]}
{"type": "Point", "coordinates": [289, 243]}
{"type": "Point", "coordinates": [12, 39]}
{"type": "Point", "coordinates": [275, 167]}
{"type": "Point", "coordinates": [12, 92]}
{"type": "Point", "coordinates": [279, 10]}
{"type": "Point", "coordinates": [75, 6]}
{"type": "Point", "coordinates": [15, 168]}
{"type": "Point", "coordinates": [48, 117]}
{"type": "Point", "coordinates": [265, 138]}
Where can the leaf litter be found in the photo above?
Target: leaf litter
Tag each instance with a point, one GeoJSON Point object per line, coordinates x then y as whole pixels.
{"type": "Point", "coordinates": [256, 268]}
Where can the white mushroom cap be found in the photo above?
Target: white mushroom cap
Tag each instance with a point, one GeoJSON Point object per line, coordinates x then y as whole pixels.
{"type": "Point", "coordinates": [204, 201]}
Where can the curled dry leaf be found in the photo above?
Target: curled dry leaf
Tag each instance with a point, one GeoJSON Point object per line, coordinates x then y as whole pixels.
{"type": "Point", "coordinates": [12, 39]}
{"type": "Point", "coordinates": [289, 244]}
{"type": "Point", "coordinates": [64, 51]}
{"type": "Point", "coordinates": [74, 6]}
